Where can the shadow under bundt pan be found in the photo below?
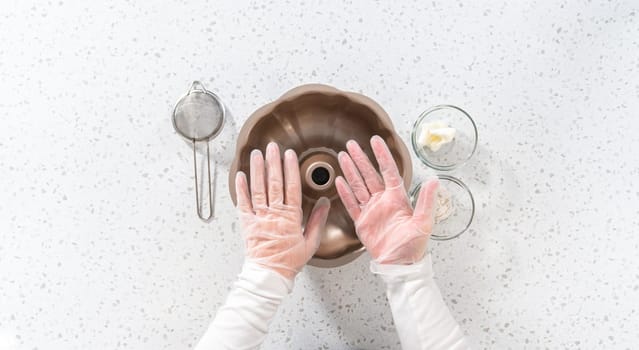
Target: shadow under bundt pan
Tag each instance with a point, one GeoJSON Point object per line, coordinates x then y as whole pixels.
{"type": "Point", "coordinates": [316, 121]}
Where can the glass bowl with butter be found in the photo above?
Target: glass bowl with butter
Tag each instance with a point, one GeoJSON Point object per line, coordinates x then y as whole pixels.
{"type": "Point", "coordinates": [444, 137]}
{"type": "Point", "coordinates": [454, 208]}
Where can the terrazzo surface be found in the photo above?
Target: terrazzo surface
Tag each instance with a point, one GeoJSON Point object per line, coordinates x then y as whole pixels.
{"type": "Point", "coordinates": [100, 247]}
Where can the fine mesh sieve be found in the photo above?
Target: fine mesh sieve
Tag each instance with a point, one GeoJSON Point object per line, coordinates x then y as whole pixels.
{"type": "Point", "coordinates": [199, 116]}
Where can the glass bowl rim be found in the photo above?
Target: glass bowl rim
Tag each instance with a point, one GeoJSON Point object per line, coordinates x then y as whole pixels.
{"type": "Point", "coordinates": [461, 184]}
{"type": "Point", "coordinates": [413, 137]}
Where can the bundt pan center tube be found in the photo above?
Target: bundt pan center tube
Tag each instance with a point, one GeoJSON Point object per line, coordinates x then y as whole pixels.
{"type": "Point", "coordinates": [316, 121]}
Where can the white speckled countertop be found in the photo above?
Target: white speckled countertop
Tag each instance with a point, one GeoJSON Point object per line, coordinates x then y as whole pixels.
{"type": "Point", "coordinates": [100, 247]}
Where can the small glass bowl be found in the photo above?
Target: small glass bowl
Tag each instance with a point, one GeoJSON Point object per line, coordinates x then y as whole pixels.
{"type": "Point", "coordinates": [461, 208]}
{"type": "Point", "coordinates": [452, 154]}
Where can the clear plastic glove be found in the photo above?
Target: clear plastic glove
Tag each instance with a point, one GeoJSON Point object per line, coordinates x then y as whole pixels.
{"type": "Point", "coordinates": [387, 225]}
{"type": "Point", "coordinates": [271, 214]}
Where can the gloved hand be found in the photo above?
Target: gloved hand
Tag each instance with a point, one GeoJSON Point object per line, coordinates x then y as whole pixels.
{"type": "Point", "coordinates": [387, 225]}
{"type": "Point", "coordinates": [271, 215]}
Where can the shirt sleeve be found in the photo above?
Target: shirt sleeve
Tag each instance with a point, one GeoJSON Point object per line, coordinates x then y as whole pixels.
{"type": "Point", "coordinates": [242, 322]}
{"type": "Point", "coordinates": [422, 319]}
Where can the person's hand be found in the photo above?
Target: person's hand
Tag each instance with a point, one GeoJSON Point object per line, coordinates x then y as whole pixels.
{"type": "Point", "coordinates": [385, 222]}
{"type": "Point", "coordinates": [271, 214]}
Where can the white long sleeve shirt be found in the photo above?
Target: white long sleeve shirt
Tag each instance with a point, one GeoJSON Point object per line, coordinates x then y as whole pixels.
{"type": "Point", "coordinates": [422, 318]}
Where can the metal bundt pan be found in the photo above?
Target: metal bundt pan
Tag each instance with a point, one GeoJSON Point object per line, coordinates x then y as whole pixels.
{"type": "Point", "coordinates": [316, 121]}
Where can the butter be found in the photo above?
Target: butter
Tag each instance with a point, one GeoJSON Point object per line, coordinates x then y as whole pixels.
{"type": "Point", "coordinates": [436, 134]}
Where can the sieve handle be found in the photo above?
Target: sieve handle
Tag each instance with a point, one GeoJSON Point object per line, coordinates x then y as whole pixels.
{"type": "Point", "coordinates": [208, 182]}
{"type": "Point", "coordinates": [196, 85]}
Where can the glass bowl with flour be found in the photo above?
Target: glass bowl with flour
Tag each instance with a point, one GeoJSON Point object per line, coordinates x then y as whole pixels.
{"type": "Point", "coordinates": [454, 208]}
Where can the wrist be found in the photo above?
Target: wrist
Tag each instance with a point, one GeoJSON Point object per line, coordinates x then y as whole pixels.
{"type": "Point", "coordinates": [392, 273]}
{"type": "Point", "coordinates": [409, 251]}
{"type": "Point", "coordinates": [257, 277]}
{"type": "Point", "coordinates": [286, 273]}
{"type": "Point", "coordinates": [282, 270]}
